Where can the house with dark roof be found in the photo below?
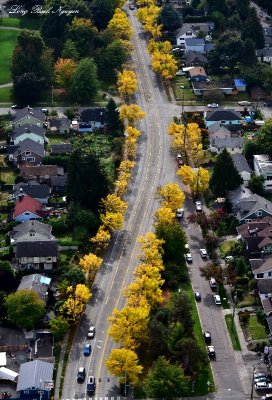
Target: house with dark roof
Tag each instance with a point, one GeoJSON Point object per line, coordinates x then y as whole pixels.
{"type": "Point", "coordinates": [28, 116]}
{"type": "Point", "coordinates": [239, 194]}
{"type": "Point", "coordinates": [40, 173]}
{"type": "Point", "coordinates": [27, 208]}
{"type": "Point", "coordinates": [39, 192]}
{"type": "Point", "coordinates": [36, 254]}
{"type": "Point", "coordinates": [233, 145]}
{"type": "Point", "coordinates": [33, 380]}
{"type": "Point", "coordinates": [261, 267]}
{"type": "Point", "coordinates": [263, 167]}
{"type": "Point", "coordinates": [193, 59]}
{"type": "Point", "coordinates": [60, 125]}
{"type": "Point", "coordinates": [194, 44]}
{"type": "Point", "coordinates": [242, 167]}
{"type": "Point", "coordinates": [28, 131]}
{"type": "Point", "coordinates": [92, 118]}
{"type": "Point", "coordinates": [265, 293]}
{"type": "Point", "coordinates": [219, 86]}
{"type": "Point", "coordinates": [252, 208]}
{"type": "Point", "coordinates": [257, 237]}
{"type": "Point", "coordinates": [58, 183]}
{"type": "Point", "coordinates": [264, 55]}
{"type": "Point", "coordinates": [61, 148]}
{"type": "Point", "coordinates": [224, 117]}
{"type": "Point", "coordinates": [26, 152]}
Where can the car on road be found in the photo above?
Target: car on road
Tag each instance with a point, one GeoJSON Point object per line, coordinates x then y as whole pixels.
{"type": "Point", "coordinates": [198, 296]}
{"type": "Point", "coordinates": [179, 160]}
{"type": "Point", "coordinates": [91, 332]}
{"type": "Point", "coordinates": [179, 213]}
{"type": "Point", "coordinates": [213, 105]}
{"type": "Point", "coordinates": [189, 257]}
{"type": "Point", "coordinates": [81, 374]}
{"type": "Point", "coordinates": [244, 103]}
{"type": "Point", "coordinates": [198, 206]}
{"type": "Point", "coordinates": [91, 384]}
{"type": "Point", "coordinates": [212, 282]}
{"type": "Point", "coordinates": [132, 7]}
{"type": "Point", "coordinates": [16, 107]}
{"type": "Point", "coordinates": [211, 351]}
{"type": "Point", "coordinates": [207, 336]}
{"type": "Point", "coordinates": [203, 253]}
{"type": "Point", "coordinates": [180, 73]}
{"type": "Point", "coordinates": [217, 299]}
{"type": "Point", "coordinates": [87, 349]}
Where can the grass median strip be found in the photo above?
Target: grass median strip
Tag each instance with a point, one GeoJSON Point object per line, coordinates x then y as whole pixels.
{"type": "Point", "coordinates": [232, 332]}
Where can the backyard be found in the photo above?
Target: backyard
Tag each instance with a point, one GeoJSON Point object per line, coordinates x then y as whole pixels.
{"type": "Point", "coordinates": [7, 44]}
{"type": "Point", "coordinates": [256, 329]}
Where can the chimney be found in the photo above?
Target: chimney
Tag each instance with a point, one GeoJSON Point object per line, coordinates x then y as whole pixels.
{"type": "Point", "coordinates": [265, 205]}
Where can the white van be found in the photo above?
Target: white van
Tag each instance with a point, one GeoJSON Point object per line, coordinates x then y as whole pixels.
{"type": "Point", "coordinates": [213, 283]}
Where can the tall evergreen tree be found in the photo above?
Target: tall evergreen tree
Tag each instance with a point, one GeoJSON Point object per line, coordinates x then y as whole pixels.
{"type": "Point", "coordinates": [84, 83]}
{"type": "Point", "coordinates": [169, 17]}
{"type": "Point", "coordinates": [253, 29]}
{"type": "Point", "coordinates": [225, 176]}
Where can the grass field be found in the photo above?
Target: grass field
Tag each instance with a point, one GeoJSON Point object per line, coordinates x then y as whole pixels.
{"type": "Point", "coordinates": [7, 44]}
{"type": "Point", "coordinates": [225, 246]}
{"type": "Point", "coordinates": [22, 23]}
{"type": "Point", "coordinates": [5, 94]}
{"type": "Point", "coordinates": [232, 332]}
{"type": "Point", "coordinates": [256, 329]}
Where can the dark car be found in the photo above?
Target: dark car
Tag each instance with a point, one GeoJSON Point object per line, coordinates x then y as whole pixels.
{"type": "Point", "coordinates": [207, 337]}
{"type": "Point", "coordinates": [81, 374]}
{"type": "Point", "coordinates": [198, 296]}
{"type": "Point", "coordinates": [91, 384]}
{"type": "Point", "coordinates": [211, 351]}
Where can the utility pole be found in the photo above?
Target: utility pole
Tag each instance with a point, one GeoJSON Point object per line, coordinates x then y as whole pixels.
{"type": "Point", "coordinates": [184, 124]}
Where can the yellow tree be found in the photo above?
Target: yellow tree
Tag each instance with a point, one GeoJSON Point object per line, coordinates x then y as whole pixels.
{"type": "Point", "coordinates": [164, 216]}
{"type": "Point", "coordinates": [119, 25]}
{"type": "Point", "coordinates": [127, 83]}
{"type": "Point", "coordinates": [196, 178]}
{"type": "Point", "coordinates": [64, 71]}
{"type": "Point", "coordinates": [131, 146]}
{"type": "Point", "coordinates": [153, 28]}
{"type": "Point", "coordinates": [124, 364]}
{"type": "Point", "coordinates": [132, 132]}
{"type": "Point", "coordinates": [131, 113]}
{"type": "Point", "coordinates": [112, 221]}
{"type": "Point", "coordinates": [128, 326]}
{"type": "Point", "coordinates": [74, 306]}
{"type": "Point", "coordinates": [163, 47]}
{"type": "Point", "coordinates": [102, 238]}
{"type": "Point", "coordinates": [121, 183]}
{"type": "Point", "coordinates": [113, 203]}
{"type": "Point", "coordinates": [171, 196]}
{"type": "Point", "coordinates": [164, 64]}
{"type": "Point", "coordinates": [126, 166]}
{"type": "Point", "coordinates": [151, 250]}
{"type": "Point", "coordinates": [144, 287]}
{"type": "Point", "coordinates": [90, 263]}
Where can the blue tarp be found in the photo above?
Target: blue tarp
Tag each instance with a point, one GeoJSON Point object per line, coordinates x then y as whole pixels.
{"type": "Point", "coordinates": [239, 82]}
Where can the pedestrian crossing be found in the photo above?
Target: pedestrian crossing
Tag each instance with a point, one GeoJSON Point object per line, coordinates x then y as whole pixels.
{"type": "Point", "coordinates": [97, 398]}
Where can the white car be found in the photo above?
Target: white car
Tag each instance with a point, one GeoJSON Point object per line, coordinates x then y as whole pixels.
{"type": "Point", "coordinates": [91, 332]}
{"type": "Point", "coordinates": [180, 73]}
{"type": "Point", "coordinates": [198, 206]}
{"type": "Point", "coordinates": [217, 299]}
{"type": "Point", "coordinates": [261, 386]}
{"type": "Point", "coordinates": [244, 103]}
{"type": "Point", "coordinates": [187, 249]}
{"type": "Point", "coordinates": [179, 213]}
{"type": "Point", "coordinates": [189, 257]}
{"type": "Point", "coordinates": [203, 253]}
{"type": "Point", "coordinates": [213, 105]}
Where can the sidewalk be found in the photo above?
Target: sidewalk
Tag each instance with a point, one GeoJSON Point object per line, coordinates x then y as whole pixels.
{"type": "Point", "coordinates": [60, 364]}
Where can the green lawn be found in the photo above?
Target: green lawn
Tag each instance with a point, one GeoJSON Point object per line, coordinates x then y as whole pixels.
{"type": "Point", "coordinates": [5, 94]}
{"type": "Point", "coordinates": [204, 381]}
{"type": "Point", "coordinates": [232, 332]}
{"type": "Point", "coordinates": [7, 44]}
{"type": "Point", "coordinates": [257, 330]}
{"type": "Point", "coordinates": [225, 246]}
{"type": "Point", "coordinates": [8, 177]}
{"type": "Point", "coordinates": [25, 22]}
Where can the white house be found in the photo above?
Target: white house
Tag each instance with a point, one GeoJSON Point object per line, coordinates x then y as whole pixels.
{"type": "Point", "coordinates": [191, 30]}
{"type": "Point", "coordinates": [263, 167]}
{"type": "Point", "coordinates": [225, 117]}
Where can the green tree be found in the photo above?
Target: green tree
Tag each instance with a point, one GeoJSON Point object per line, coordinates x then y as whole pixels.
{"type": "Point", "coordinates": [266, 77]}
{"type": "Point", "coordinates": [234, 22]}
{"type": "Point", "coordinates": [110, 60]}
{"type": "Point", "coordinates": [58, 326]}
{"type": "Point", "coordinates": [249, 52]}
{"type": "Point", "coordinates": [165, 380]}
{"type": "Point", "coordinates": [174, 241]}
{"type": "Point", "coordinates": [158, 332]}
{"type": "Point", "coordinates": [7, 278]}
{"type": "Point", "coordinates": [25, 308]}
{"type": "Point", "coordinates": [253, 29]}
{"type": "Point", "coordinates": [182, 312]}
{"type": "Point", "coordinates": [114, 123]}
{"type": "Point", "coordinates": [242, 7]}
{"type": "Point", "coordinates": [70, 51]}
{"type": "Point", "coordinates": [263, 139]}
{"type": "Point", "coordinates": [83, 35]}
{"type": "Point", "coordinates": [256, 185]}
{"type": "Point", "coordinates": [86, 184]}
{"type": "Point", "coordinates": [103, 11]}
{"type": "Point", "coordinates": [188, 352]}
{"type": "Point", "coordinates": [225, 176]}
{"type": "Point", "coordinates": [80, 217]}
{"type": "Point", "coordinates": [169, 18]}
{"type": "Point", "coordinates": [74, 276]}
{"type": "Point", "coordinates": [84, 83]}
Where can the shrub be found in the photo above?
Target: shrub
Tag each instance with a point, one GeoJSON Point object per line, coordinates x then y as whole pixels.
{"type": "Point", "coordinates": [243, 281]}
{"type": "Point", "coordinates": [244, 317]}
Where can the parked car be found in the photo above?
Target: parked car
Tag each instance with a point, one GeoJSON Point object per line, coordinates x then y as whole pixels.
{"type": "Point", "coordinates": [198, 296]}
{"type": "Point", "coordinates": [179, 160]}
{"type": "Point", "coordinates": [259, 374]}
{"type": "Point", "coordinates": [179, 213]}
{"type": "Point", "coordinates": [132, 6]}
{"type": "Point", "coordinates": [217, 299]}
{"type": "Point", "coordinates": [180, 72]}
{"type": "Point", "coordinates": [244, 103]}
{"type": "Point", "coordinates": [187, 248]}
{"type": "Point", "coordinates": [260, 379]}
{"type": "Point", "coordinates": [198, 206]}
{"type": "Point", "coordinates": [211, 351]}
{"type": "Point", "coordinates": [262, 386]}
{"type": "Point", "coordinates": [212, 283]}
{"type": "Point", "coordinates": [81, 374]}
{"type": "Point", "coordinates": [268, 396]}
{"type": "Point", "coordinates": [87, 349]}
{"type": "Point", "coordinates": [91, 332]}
{"type": "Point", "coordinates": [189, 257]}
{"type": "Point", "coordinates": [213, 105]}
{"type": "Point", "coordinates": [91, 384]}
{"type": "Point", "coordinates": [203, 253]}
{"type": "Point", "coordinates": [16, 107]}
{"type": "Point", "coordinates": [207, 337]}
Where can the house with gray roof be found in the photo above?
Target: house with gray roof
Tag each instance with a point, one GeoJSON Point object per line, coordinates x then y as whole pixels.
{"type": "Point", "coordinates": [233, 145]}
{"type": "Point", "coordinates": [191, 30]}
{"type": "Point", "coordinates": [261, 267]}
{"type": "Point", "coordinates": [26, 152]}
{"type": "Point", "coordinates": [223, 86]}
{"type": "Point", "coordinates": [235, 196]}
{"type": "Point", "coordinates": [194, 59]}
{"type": "Point", "coordinates": [60, 125]}
{"type": "Point", "coordinates": [61, 148]}
{"type": "Point", "coordinates": [194, 44]}
{"type": "Point", "coordinates": [264, 55]}
{"type": "Point", "coordinates": [28, 131]}
{"type": "Point", "coordinates": [58, 183]}
{"type": "Point", "coordinates": [264, 287]}
{"type": "Point", "coordinates": [28, 116]}
{"type": "Point", "coordinates": [36, 282]}
{"type": "Point", "coordinates": [252, 208]}
{"type": "Point", "coordinates": [27, 230]}
{"type": "Point", "coordinates": [242, 167]}
{"type": "Point", "coordinates": [33, 380]}
{"type": "Point", "coordinates": [263, 167]}
{"type": "Point", "coordinates": [37, 191]}
{"type": "Point", "coordinates": [224, 117]}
